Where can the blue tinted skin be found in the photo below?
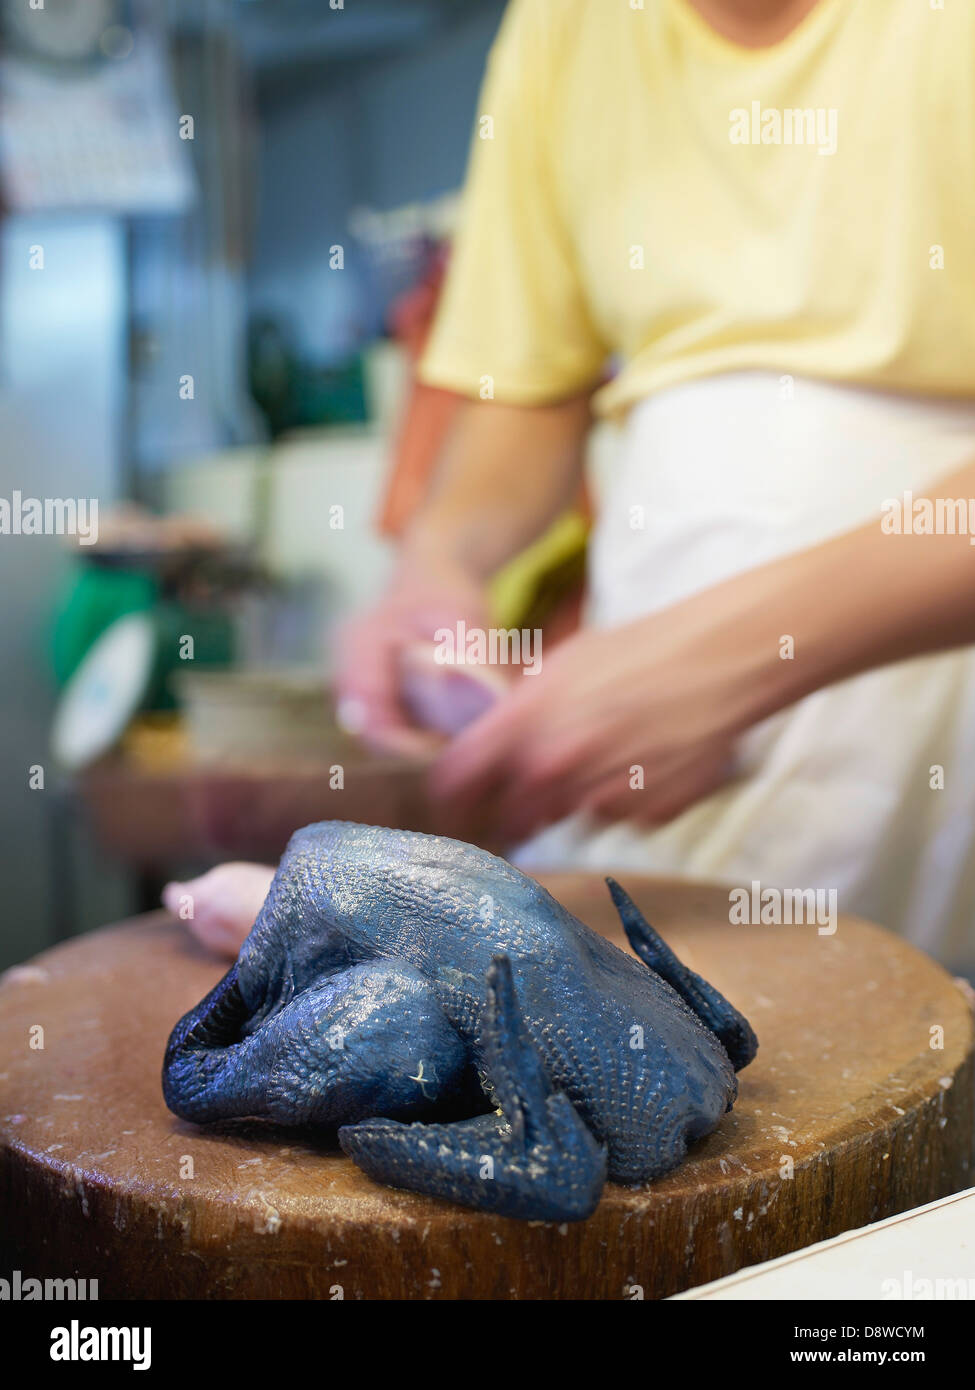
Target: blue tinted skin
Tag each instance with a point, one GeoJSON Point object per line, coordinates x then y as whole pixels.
{"type": "Point", "coordinates": [467, 1036]}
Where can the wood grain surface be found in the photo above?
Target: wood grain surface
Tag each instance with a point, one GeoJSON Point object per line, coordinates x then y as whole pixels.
{"type": "Point", "coordinates": [848, 1115]}
{"type": "Point", "coordinates": [219, 810]}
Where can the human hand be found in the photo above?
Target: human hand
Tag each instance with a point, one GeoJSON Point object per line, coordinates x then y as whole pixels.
{"type": "Point", "coordinates": [636, 722]}
{"type": "Point", "coordinates": [421, 598]}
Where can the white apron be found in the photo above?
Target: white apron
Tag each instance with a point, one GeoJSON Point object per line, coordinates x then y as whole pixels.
{"type": "Point", "coordinates": [835, 791]}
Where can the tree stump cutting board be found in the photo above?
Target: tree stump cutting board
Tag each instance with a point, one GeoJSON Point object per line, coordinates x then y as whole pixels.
{"type": "Point", "coordinates": [859, 1105]}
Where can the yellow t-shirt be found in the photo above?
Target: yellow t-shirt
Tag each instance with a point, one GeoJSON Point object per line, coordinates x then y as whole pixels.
{"type": "Point", "coordinates": [644, 189]}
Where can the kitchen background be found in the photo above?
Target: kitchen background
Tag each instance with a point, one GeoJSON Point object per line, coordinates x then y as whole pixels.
{"type": "Point", "coordinates": [196, 343]}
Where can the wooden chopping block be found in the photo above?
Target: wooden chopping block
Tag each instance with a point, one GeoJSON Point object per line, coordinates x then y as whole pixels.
{"type": "Point", "coordinates": [859, 1105]}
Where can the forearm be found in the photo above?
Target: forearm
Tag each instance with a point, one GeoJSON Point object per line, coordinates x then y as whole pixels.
{"type": "Point", "coordinates": [859, 601]}
{"type": "Point", "coordinates": [505, 474]}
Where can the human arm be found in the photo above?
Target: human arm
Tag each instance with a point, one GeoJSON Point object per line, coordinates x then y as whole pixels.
{"type": "Point", "coordinates": [672, 692]}
{"type": "Point", "coordinates": [507, 471]}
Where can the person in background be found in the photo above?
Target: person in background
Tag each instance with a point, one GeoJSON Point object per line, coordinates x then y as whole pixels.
{"type": "Point", "coordinates": [762, 214]}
